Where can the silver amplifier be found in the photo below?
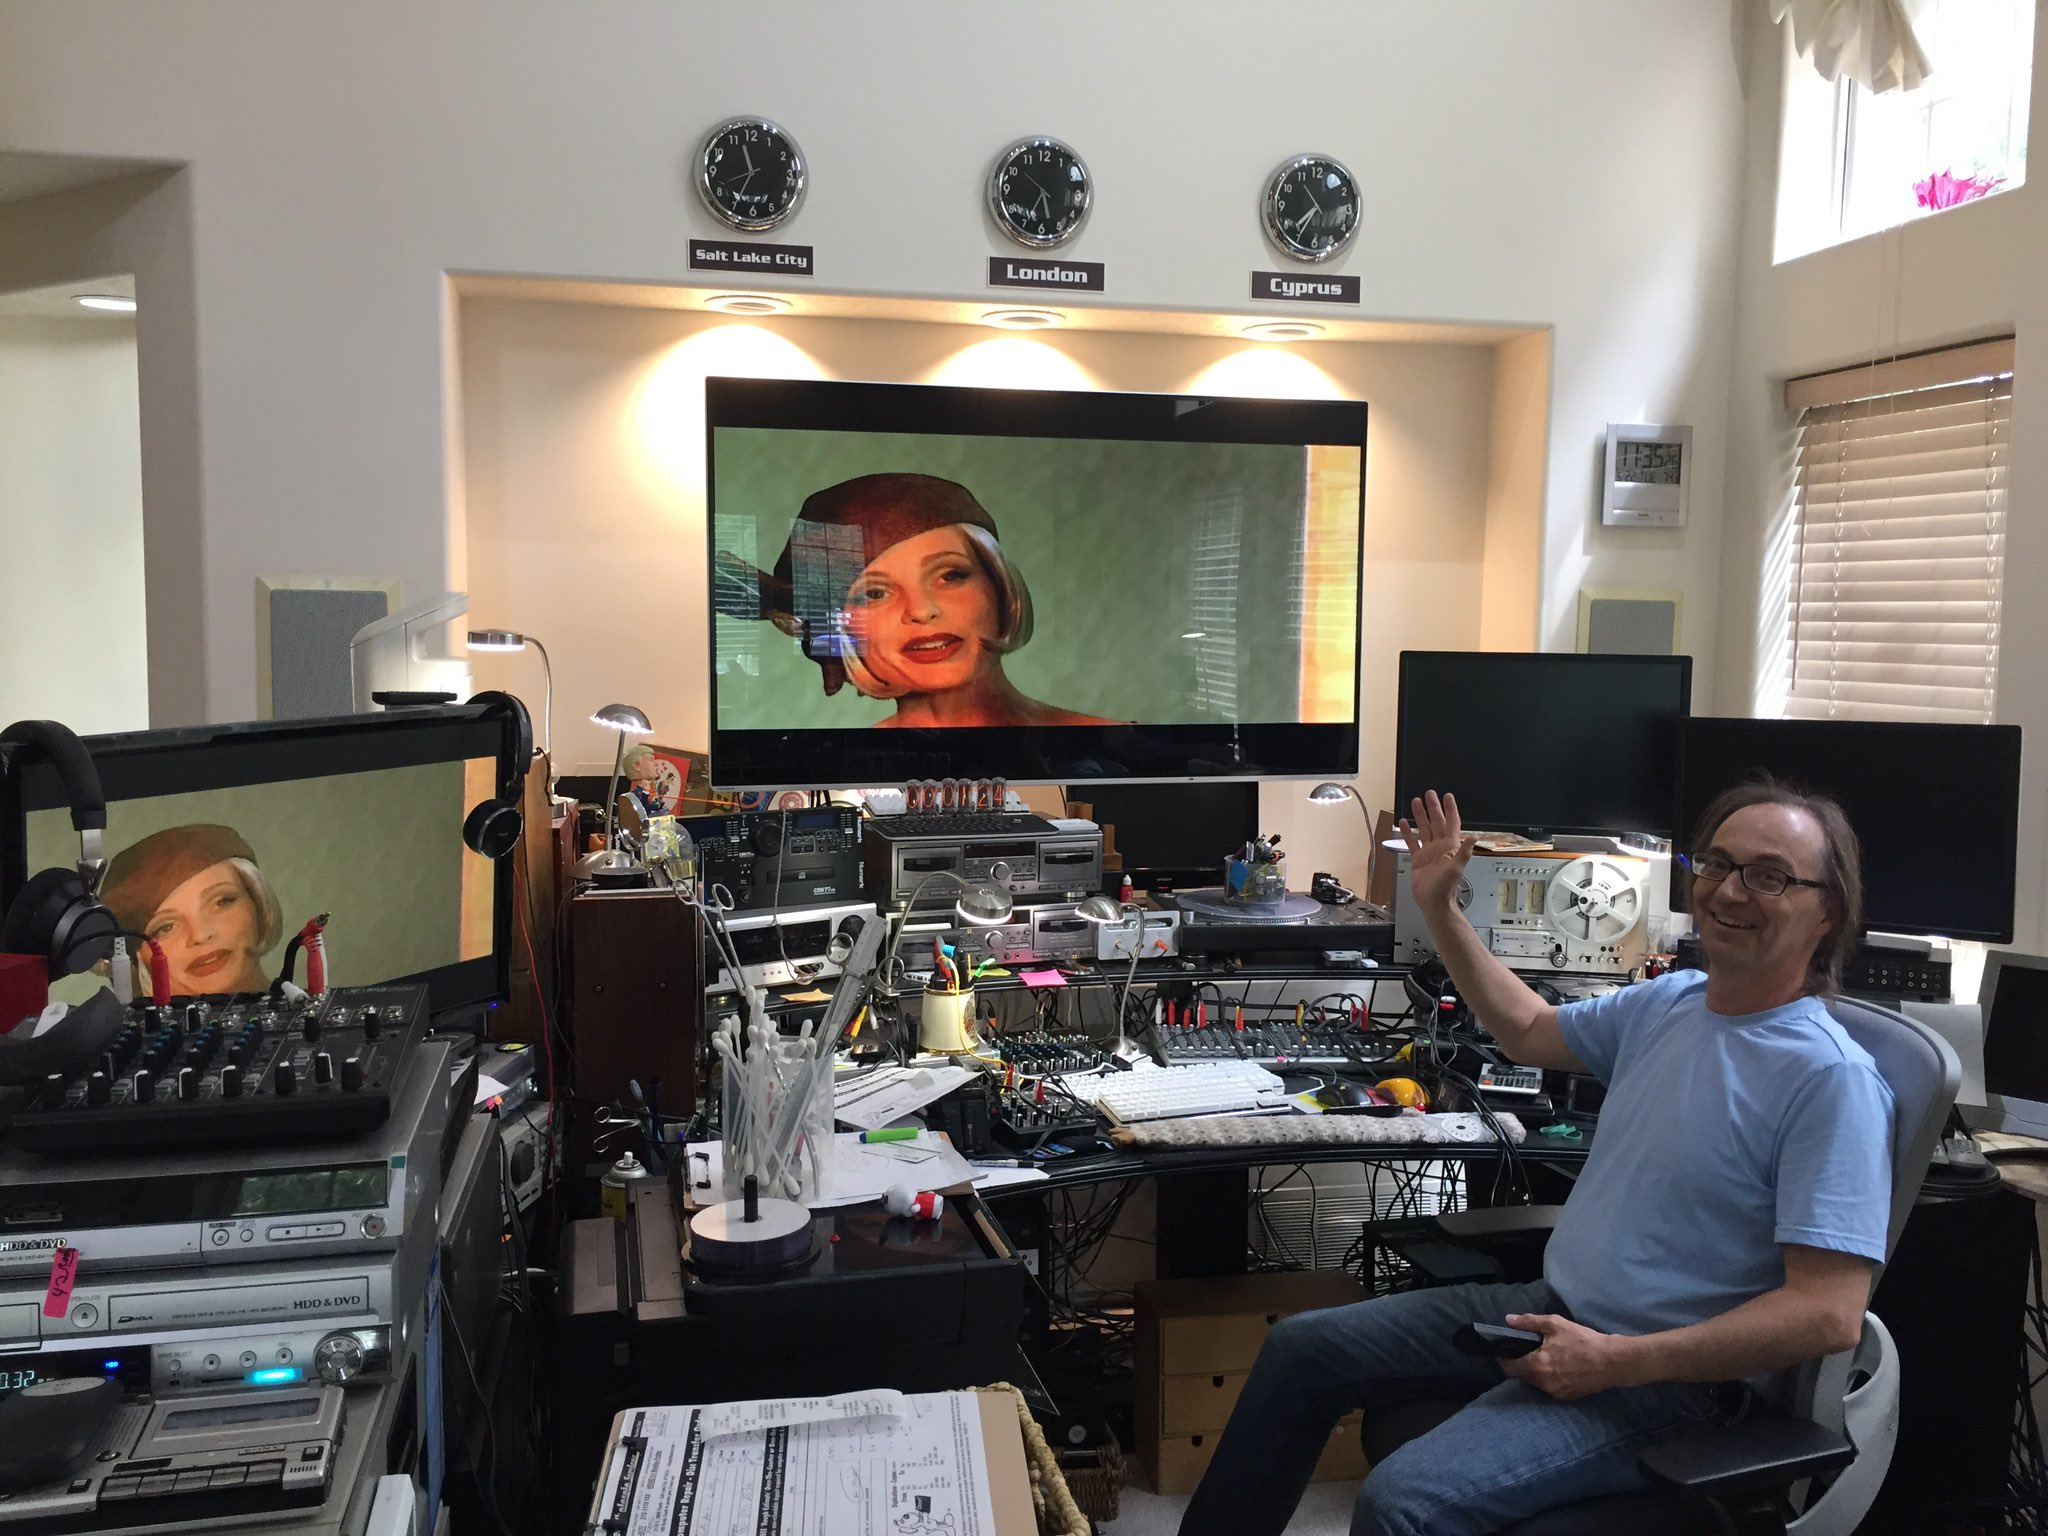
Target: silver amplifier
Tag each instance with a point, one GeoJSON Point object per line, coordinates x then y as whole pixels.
{"type": "Point", "coordinates": [780, 948]}
{"type": "Point", "coordinates": [1060, 932]}
{"type": "Point", "coordinates": [1026, 864]}
{"type": "Point", "coordinates": [234, 1205]}
{"type": "Point", "coordinates": [264, 1325]}
{"type": "Point", "coordinates": [194, 1463]}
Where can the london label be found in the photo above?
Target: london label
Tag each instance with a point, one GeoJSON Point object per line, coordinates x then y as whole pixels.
{"type": "Point", "coordinates": [1044, 272]}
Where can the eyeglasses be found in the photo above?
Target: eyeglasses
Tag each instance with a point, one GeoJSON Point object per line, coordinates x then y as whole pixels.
{"type": "Point", "coordinates": [1764, 879]}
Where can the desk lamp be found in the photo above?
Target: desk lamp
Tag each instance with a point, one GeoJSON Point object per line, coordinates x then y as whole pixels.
{"type": "Point", "coordinates": [982, 905]}
{"type": "Point", "coordinates": [611, 864]}
{"type": "Point", "coordinates": [1336, 794]}
{"type": "Point", "coordinates": [1104, 911]}
{"type": "Point", "coordinates": [511, 640]}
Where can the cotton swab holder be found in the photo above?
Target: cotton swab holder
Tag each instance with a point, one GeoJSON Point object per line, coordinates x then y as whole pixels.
{"type": "Point", "coordinates": [945, 1024]}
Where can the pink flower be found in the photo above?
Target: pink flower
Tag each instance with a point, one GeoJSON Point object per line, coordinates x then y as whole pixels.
{"type": "Point", "coordinates": [1944, 189]}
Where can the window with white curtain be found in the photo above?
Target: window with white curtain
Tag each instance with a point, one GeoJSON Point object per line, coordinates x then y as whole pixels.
{"type": "Point", "coordinates": [1898, 548]}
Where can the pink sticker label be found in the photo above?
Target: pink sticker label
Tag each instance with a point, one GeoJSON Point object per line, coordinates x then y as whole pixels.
{"type": "Point", "coordinates": [1042, 978]}
{"type": "Point", "coordinates": [63, 1269]}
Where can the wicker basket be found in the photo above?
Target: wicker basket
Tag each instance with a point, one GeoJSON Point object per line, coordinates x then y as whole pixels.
{"type": "Point", "coordinates": [1058, 1515]}
{"type": "Point", "coordinates": [1096, 1479]}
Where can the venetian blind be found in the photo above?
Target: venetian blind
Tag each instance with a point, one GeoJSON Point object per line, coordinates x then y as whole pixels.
{"type": "Point", "coordinates": [1899, 549]}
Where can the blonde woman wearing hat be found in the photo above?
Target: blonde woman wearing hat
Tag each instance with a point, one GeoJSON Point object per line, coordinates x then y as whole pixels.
{"type": "Point", "coordinates": [196, 892]}
{"type": "Point", "coordinates": [896, 583]}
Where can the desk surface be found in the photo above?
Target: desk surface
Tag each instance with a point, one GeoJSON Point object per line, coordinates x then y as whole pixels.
{"type": "Point", "coordinates": [2025, 1167]}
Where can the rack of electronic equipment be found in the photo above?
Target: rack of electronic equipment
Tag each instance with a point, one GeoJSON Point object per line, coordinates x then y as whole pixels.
{"type": "Point", "coordinates": [225, 1276]}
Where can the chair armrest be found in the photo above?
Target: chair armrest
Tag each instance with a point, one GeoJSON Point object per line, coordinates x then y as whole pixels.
{"type": "Point", "coordinates": [1499, 1223]}
{"type": "Point", "coordinates": [1716, 1460]}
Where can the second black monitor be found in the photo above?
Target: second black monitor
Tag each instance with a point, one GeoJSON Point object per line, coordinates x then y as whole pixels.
{"type": "Point", "coordinates": [1540, 743]}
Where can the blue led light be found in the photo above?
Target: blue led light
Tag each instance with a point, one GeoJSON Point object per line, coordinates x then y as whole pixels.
{"type": "Point", "coordinates": [276, 1376]}
{"type": "Point", "coordinates": [112, 1365]}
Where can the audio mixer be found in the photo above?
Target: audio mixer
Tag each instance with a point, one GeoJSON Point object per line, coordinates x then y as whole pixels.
{"type": "Point", "coordinates": [246, 1069]}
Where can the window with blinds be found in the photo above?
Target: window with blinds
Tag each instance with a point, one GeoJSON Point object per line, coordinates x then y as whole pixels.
{"type": "Point", "coordinates": [1898, 551]}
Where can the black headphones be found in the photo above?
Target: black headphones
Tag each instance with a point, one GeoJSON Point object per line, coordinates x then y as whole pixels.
{"type": "Point", "coordinates": [493, 827]}
{"type": "Point", "coordinates": [58, 913]}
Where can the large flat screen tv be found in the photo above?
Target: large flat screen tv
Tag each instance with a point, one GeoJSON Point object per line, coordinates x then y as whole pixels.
{"type": "Point", "coordinates": [1935, 806]}
{"type": "Point", "coordinates": [916, 582]}
{"type": "Point", "coordinates": [1541, 742]}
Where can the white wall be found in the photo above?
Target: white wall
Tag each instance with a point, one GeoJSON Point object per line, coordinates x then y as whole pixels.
{"type": "Point", "coordinates": [72, 635]}
{"type": "Point", "coordinates": [1971, 272]}
{"type": "Point", "coordinates": [583, 446]}
{"type": "Point", "coordinates": [1568, 164]}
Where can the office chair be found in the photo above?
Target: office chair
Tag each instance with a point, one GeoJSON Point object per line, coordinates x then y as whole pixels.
{"type": "Point", "coordinates": [1838, 1414]}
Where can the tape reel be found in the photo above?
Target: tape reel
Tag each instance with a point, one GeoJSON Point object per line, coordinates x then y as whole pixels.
{"type": "Point", "coordinates": [1595, 900]}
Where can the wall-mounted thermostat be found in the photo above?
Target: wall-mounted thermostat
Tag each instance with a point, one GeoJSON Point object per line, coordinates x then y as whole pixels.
{"type": "Point", "coordinates": [1649, 470]}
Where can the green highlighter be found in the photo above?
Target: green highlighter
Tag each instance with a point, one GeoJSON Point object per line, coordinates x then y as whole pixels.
{"type": "Point", "coordinates": [895, 1133]}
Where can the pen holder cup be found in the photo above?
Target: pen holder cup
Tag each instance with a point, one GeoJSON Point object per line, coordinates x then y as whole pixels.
{"type": "Point", "coordinates": [778, 1122]}
{"type": "Point", "coordinates": [1246, 881]}
{"type": "Point", "coordinates": [946, 1022]}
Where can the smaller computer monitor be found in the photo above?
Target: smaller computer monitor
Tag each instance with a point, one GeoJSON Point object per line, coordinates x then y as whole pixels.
{"type": "Point", "coordinates": [1173, 836]}
{"type": "Point", "coordinates": [1935, 806]}
{"type": "Point", "coordinates": [1543, 742]}
{"type": "Point", "coordinates": [2014, 999]}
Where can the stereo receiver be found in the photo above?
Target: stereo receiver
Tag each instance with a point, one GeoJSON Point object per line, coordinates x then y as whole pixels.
{"type": "Point", "coordinates": [769, 860]}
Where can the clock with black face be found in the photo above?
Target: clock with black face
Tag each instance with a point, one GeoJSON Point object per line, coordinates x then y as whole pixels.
{"type": "Point", "coordinates": [1311, 207]}
{"type": "Point", "coordinates": [750, 173]}
{"type": "Point", "coordinates": [1039, 192]}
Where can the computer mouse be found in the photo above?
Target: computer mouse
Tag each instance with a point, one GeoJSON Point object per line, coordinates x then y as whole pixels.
{"type": "Point", "coordinates": [1343, 1095]}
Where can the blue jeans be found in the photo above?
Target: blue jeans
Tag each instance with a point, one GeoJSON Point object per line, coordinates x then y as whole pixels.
{"type": "Point", "coordinates": [1511, 1452]}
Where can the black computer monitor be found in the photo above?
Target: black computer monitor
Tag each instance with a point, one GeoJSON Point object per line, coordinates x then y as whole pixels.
{"type": "Point", "coordinates": [2012, 1000]}
{"type": "Point", "coordinates": [1539, 743]}
{"type": "Point", "coordinates": [1935, 807]}
{"type": "Point", "coordinates": [359, 816]}
{"type": "Point", "coordinates": [1173, 836]}
{"type": "Point", "coordinates": [923, 582]}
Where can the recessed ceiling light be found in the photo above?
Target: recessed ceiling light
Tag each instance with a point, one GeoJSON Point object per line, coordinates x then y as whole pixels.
{"type": "Point", "coordinates": [1022, 319]}
{"type": "Point", "coordinates": [1196, 634]}
{"type": "Point", "coordinates": [748, 304]}
{"type": "Point", "coordinates": [108, 301]}
{"type": "Point", "coordinates": [1283, 330]}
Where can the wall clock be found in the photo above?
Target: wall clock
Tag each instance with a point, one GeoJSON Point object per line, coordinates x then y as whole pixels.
{"type": "Point", "coordinates": [1039, 192]}
{"type": "Point", "coordinates": [1311, 207]}
{"type": "Point", "coordinates": [750, 173]}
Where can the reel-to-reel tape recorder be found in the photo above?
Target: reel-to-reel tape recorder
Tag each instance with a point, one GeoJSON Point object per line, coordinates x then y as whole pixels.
{"type": "Point", "coordinates": [1586, 912]}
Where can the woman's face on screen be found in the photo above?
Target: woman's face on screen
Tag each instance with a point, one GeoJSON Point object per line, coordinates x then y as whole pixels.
{"type": "Point", "coordinates": [208, 929]}
{"type": "Point", "coordinates": [925, 613]}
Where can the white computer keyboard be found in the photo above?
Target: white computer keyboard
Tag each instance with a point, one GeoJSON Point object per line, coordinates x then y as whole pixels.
{"type": "Point", "coordinates": [1170, 1093]}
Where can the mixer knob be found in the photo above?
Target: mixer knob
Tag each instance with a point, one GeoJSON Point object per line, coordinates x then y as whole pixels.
{"type": "Point", "coordinates": [195, 1018]}
{"type": "Point", "coordinates": [310, 1029]}
{"type": "Point", "coordinates": [283, 1080]}
{"type": "Point", "coordinates": [152, 1018]}
{"type": "Point", "coordinates": [188, 1085]}
{"type": "Point", "coordinates": [145, 1086]}
{"type": "Point", "coordinates": [107, 1066]}
{"type": "Point", "coordinates": [53, 1090]}
{"type": "Point", "coordinates": [231, 1081]}
{"type": "Point", "coordinates": [98, 1089]}
{"type": "Point", "coordinates": [373, 1024]}
{"type": "Point", "coordinates": [323, 1069]}
{"type": "Point", "coordinates": [351, 1074]}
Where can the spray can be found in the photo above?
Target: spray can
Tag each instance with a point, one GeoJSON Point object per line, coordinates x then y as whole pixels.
{"type": "Point", "coordinates": [615, 1189]}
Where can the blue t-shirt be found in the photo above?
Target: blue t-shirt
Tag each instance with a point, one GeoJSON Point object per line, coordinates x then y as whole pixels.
{"type": "Point", "coordinates": [1722, 1137]}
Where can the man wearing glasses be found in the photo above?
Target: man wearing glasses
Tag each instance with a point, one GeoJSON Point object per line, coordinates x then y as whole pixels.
{"type": "Point", "coordinates": [1725, 1227]}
